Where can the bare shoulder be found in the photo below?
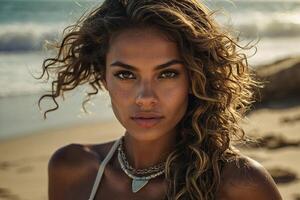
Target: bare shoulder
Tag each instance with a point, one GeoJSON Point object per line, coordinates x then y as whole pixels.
{"type": "Point", "coordinates": [74, 167]}
{"type": "Point", "coordinates": [245, 178]}
{"type": "Point", "coordinates": [79, 155]}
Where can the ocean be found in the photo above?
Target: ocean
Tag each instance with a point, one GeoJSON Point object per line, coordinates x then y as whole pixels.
{"type": "Point", "coordinates": [25, 25]}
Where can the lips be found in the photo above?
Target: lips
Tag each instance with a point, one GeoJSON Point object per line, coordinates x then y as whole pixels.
{"type": "Point", "coordinates": [147, 120]}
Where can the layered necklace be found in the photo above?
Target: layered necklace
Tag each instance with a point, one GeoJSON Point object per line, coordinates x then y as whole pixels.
{"type": "Point", "coordinates": [140, 177]}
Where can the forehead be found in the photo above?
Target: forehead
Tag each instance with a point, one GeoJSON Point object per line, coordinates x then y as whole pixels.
{"type": "Point", "coordinates": [148, 44]}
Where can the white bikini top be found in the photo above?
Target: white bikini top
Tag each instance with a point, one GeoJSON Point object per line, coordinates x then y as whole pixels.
{"type": "Point", "coordinates": [101, 169]}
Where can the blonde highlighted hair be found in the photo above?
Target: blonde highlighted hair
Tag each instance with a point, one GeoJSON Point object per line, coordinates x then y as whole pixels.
{"type": "Point", "coordinates": [221, 81]}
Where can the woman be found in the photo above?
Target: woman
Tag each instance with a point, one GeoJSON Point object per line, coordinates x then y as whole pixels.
{"type": "Point", "coordinates": [179, 86]}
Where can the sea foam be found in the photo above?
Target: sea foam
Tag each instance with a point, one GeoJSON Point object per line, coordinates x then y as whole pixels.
{"type": "Point", "coordinates": [27, 37]}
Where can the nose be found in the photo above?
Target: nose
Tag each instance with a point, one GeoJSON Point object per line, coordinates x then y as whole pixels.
{"type": "Point", "coordinates": [146, 97]}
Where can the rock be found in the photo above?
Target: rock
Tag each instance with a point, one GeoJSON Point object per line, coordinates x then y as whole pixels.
{"type": "Point", "coordinates": [297, 197]}
{"type": "Point", "coordinates": [290, 120]}
{"type": "Point", "coordinates": [6, 194]}
{"type": "Point", "coordinates": [271, 142]}
{"type": "Point", "coordinates": [282, 79]}
{"type": "Point", "coordinates": [282, 175]}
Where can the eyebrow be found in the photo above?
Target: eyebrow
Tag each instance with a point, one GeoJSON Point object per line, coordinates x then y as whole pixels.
{"type": "Point", "coordinates": [158, 67]}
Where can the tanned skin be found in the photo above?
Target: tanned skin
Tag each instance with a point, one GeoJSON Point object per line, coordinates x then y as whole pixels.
{"type": "Point", "coordinates": [144, 74]}
{"type": "Point", "coordinates": [72, 171]}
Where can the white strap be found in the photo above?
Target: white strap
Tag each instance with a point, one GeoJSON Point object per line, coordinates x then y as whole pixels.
{"type": "Point", "coordinates": [101, 169]}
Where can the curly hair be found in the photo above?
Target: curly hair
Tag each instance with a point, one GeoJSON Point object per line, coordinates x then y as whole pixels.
{"type": "Point", "coordinates": [222, 83]}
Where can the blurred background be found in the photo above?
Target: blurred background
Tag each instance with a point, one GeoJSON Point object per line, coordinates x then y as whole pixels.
{"type": "Point", "coordinates": [27, 141]}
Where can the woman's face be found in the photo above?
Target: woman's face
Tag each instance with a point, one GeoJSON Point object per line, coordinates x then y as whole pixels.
{"type": "Point", "coordinates": [147, 83]}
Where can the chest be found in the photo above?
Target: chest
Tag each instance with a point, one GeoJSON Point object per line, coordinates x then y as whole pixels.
{"type": "Point", "coordinates": [119, 186]}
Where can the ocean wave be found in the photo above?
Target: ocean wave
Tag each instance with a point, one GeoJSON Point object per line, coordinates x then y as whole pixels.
{"type": "Point", "coordinates": [20, 89]}
{"type": "Point", "coordinates": [31, 37]}
{"type": "Point", "coordinates": [262, 25]}
{"type": "Point", "coordinates": [272, 30]}
{"type": "Point", "coordinates": [27, 37]}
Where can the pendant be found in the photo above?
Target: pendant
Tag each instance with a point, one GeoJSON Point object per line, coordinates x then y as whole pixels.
{"type": "Point", "coordinates": [138, 184]}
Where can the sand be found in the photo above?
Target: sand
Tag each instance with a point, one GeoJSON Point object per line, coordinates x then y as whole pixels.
{"type": "Point", "coordinates": [282, 123]}
{"type": "Point", "coordinates": [23, 161]}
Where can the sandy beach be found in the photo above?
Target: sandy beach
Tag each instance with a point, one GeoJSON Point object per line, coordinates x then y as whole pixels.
{"type": "Point", "coordinates": [281, 154]}
{"type": "Point", "coordinates": [274, 123]}
{"type": "Point", "coordinates": [27, 141]}
{"type": "Point", "coordinates": [23, 161]}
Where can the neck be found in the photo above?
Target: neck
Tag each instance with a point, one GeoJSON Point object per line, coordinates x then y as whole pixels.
{"type": "Point", "coordinates": [143, 154]}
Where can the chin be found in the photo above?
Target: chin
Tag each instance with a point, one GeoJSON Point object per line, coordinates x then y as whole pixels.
{"type": "Point", "coordinates": [150, 134]}
{"type": "Point", "coordinates": [144, 135]}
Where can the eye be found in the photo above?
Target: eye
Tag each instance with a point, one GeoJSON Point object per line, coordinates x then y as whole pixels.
{"type": "Point", "coordinates": [123, 75]}
{"type": "Point", "coordinates": [169, 74]}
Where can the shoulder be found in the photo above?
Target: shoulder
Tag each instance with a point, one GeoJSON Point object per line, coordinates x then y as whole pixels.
{"type": "Point", "coordinates": [72, 166]}
{"type": "Point", "coordinates": [245, 178]}
{"type": "Point", "coordinates": [77, 156]}
{"type": "Point", "coordinates": [71, 157]}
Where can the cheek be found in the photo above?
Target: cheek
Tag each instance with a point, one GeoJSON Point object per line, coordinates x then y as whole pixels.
{"type": "Point", "coordinates": [118, 91]}
{"type": "Point", "coordinates": [176, 92]}
{"type": "Point", "coordinates": [120, 100]}
{"type": "Point", "coordinates": [119, 94]}
{"type": "Point", "coordinates": [175, 98]}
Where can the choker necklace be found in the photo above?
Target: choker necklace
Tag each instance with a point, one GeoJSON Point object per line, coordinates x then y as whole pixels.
{"type": "Point", "coordinates": [138, 182]}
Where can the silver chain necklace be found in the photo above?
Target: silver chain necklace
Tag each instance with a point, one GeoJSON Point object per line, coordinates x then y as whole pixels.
{"type": "Point", "coordinates": [152, 169]}
{"type": "Point", "coordinates": [138, 182]}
